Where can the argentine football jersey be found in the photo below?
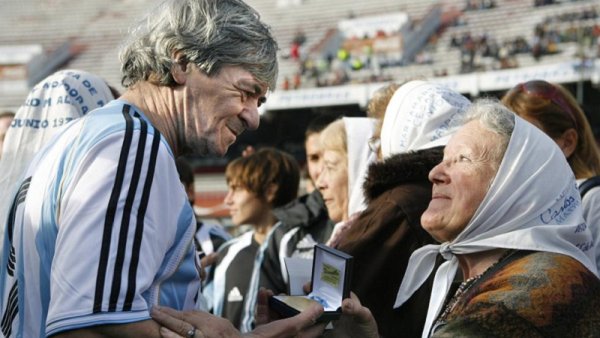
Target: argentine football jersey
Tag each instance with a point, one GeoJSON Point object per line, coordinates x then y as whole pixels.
{"type": "Point", "coordinates": [99, 231]}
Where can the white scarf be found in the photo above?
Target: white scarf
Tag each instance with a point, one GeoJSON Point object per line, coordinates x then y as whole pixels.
{"type": "Point", "coordinates": [421, 115]}
{"type": "Point", "coordinates": [51, 104]}
{"type": "Point", "coordinates": [359, 130]}
{"type": "Point", "coordinates": [532, 204]}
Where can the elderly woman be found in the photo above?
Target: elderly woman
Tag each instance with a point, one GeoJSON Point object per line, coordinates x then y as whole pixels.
{"type": "Point", "coordinates": [346, 156]}
{"type": "Point", "coordinates": [555, 111]}
{"type": "Point", "coordinates": [506, 209]}
{"type": "Point", "coordinates": [419, 119]}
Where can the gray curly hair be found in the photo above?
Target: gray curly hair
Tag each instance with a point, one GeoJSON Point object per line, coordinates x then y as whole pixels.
{"type": "Point", "coordinates": [209, 33]}
{"type": "Point", "coordinates": [496, 117]}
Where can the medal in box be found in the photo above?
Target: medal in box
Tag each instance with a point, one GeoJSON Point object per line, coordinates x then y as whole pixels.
{"type": "Point", "coordinates": [331, 273]}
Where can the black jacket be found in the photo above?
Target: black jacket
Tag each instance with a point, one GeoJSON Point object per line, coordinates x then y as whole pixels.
{"type": "Point", "coordinates": [386, 234]}
{"type": "Point", "coordinates": [303, 223]}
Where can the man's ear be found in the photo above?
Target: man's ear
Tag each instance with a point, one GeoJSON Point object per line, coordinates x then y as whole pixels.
{"type": "Point", "coordinates": [180, 67]}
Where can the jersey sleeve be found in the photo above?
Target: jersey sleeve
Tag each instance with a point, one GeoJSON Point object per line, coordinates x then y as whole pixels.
{"type": "Point", "coordinates": [118, 217]}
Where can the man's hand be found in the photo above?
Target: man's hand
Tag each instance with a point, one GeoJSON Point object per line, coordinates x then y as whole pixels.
{"type": "Point", "coordinates": [269, 325]}
{"type": "Point", "coordinates": [178, 323]}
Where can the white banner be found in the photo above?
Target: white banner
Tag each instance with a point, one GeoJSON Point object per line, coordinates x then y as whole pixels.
{"type": "Point", "coordinates": [370, 25]}
{"type": "Point", "coordinates": [565, 72]}
{"type": "Point", "coordinates": [472, 84]}
{"type": "Point", "coordinates": [318, 97]}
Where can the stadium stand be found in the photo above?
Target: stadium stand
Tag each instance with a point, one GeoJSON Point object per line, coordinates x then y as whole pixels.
{"type": "Point", "coordinates": [86, 35]}
{"type": "Point", "coordinates": [38, 37]}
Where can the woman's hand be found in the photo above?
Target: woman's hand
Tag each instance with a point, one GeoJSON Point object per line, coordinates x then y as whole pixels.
{"type": "Point", "coordinates": [356, 321]}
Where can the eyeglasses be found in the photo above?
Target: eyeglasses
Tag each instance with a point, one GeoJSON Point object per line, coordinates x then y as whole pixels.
{"type": "Point", "coordinates": [548, 91]}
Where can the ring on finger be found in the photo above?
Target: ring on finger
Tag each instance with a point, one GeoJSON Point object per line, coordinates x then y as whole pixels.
{"type": "Point", "coordinates": [191, 333]}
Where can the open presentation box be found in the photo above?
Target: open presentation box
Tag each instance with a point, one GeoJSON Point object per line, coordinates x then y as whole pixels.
{"type": "Point", "coordinates": [330, 284]}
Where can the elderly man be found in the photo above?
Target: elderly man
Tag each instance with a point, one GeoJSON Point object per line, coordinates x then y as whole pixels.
{"type": "Point", "coordinates": [100, 230]}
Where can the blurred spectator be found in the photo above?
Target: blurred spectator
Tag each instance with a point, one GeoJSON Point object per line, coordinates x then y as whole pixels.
{"type": "Point", "coordinates": [554, 110]}
{"type": "Point", "coordinates": [295, 51]}
{"type": "Point", "coordinates": [471, 5]}
{"type": "Point", "coordinates": [297, 80]}
{"type": "Point", "coordinates": [257, 184]}
{"type": "Point", "coordinates": [304, 221]}
{"type": "Point", "coordinates": [376, 109]}
{"type": "Point", "coordinates": [474, 47]}
{"type": "Point", "coordinates": [286, 83]}
{"type": "Point", "coordinates": [538, 3]}
{"type": "Point", "coordinates": [299, 37]}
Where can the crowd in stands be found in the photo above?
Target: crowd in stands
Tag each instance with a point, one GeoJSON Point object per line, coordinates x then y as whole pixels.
{"type": "Point", "coordinates": [472, 5]}
{"type": "Point", "coordinates": [478, 52]}
{"type": "Point", "coordinates": [462, 217]}
{"type": "Point", "coordinates": [579, 27]}
{"type": "Point", "coordinates": [474, 48]}
{"type": "Point", "coordinates": [538, 3]}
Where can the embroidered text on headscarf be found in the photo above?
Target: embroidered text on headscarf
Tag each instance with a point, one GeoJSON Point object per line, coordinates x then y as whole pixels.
{"type": "Point", "coordinates": [532, 204]}
{"type": "Point", "coordinates": [421, 115]}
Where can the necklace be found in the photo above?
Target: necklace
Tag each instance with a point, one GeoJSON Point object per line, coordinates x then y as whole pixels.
{"type": "Point", "coordinates": [465, 286]}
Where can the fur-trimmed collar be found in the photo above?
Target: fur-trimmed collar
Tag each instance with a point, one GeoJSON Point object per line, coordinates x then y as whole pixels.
{"type": "Point", "coordinates": [399, 169]}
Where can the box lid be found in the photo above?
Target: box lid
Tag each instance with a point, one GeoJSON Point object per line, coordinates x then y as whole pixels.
{"type": "Point", "coordinates": [330, 277]}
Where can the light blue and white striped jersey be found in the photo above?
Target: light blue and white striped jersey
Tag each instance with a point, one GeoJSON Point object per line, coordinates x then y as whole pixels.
{"type": "Point", "coordinates": [99, 231]}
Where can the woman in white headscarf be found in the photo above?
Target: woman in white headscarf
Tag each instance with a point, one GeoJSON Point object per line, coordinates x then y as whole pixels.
{"type": "Point", "coordinates": [346, 157]}
{"type": "Point", "coordinates": [553, 109]}
{"type": "Point", "coordinates": [506, 208]}
{"type": "Point", "coordinates": [51, 104]}
{"type": "Point", "coordinates": [418, 120]}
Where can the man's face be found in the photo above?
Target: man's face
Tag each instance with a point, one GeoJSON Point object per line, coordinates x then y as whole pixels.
{"type": "Point", "coordinates": [314, 156]}
{"type": "Point", "coordinates": [4, 125]}
{"type": "Point", "coordinates": [217, 109]}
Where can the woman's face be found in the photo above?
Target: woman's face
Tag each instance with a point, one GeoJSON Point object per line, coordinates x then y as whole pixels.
{"type": "Point", "coordinates": [461, 181]}
{"type": "Point", "coordinates": [333, 184]}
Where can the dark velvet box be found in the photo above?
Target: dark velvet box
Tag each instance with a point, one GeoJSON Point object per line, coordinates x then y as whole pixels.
{"type": "Point", "coordinates": [330, 284]}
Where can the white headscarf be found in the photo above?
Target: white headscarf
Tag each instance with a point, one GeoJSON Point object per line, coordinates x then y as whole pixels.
{"type": "Point", "coordinates": [421, 115]}
{"type": "Point", "coordinates": [52, 103]}
{"type": "Point", "coordinates": [532, 204]}
{"type": "Point", "coordinates": [359, 131]}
